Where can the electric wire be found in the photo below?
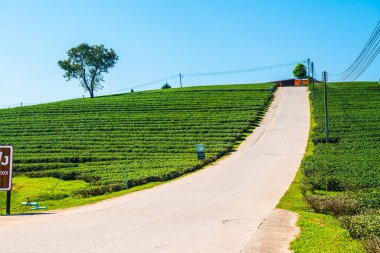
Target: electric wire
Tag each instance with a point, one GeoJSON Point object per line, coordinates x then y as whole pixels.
{"type": "Point", "coordinates": [200, 74]}
{"type": "Point", "coordinates": [369, 43]}
{"type": "Point", "coordinates": [364, 59]}
{"type": "Point", "coordinates": [241, 70]}
{"type": "Point", "coordinates": [364, 53]}
{"type": "Point", "coordinates": [197, 74]}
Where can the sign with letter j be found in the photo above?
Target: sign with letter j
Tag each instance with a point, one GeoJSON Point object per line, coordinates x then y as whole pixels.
{"type": "Point", "coordinates": [6, 156]}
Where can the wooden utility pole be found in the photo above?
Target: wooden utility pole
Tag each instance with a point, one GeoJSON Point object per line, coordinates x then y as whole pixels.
{"type": "Point", "coordinates": [312, 79]}
{"type": "Point", "coordinates": [324, 77]}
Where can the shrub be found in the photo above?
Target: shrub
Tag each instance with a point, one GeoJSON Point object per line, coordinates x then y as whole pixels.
{"type": "Point", "coordinates": [365, 227]}
{"type": "Point", "coordinates": [336, 205]}
{"type": "Point", "coordinates": [166, 86]}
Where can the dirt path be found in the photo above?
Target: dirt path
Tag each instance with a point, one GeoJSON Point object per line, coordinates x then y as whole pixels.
{"type": "Point", "coordinates": [218, 209]}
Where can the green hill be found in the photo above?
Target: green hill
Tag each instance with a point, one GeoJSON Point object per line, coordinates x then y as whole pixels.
{"type": "Point", "coordinates": [152, 135]}
{"type": "Point", "coordinates": [350, 161]}
{"type": "Point", "coordinates": [344, 175]}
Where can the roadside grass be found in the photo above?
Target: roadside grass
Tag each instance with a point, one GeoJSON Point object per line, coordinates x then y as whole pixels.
{"type": "Point", "coordinates": [55, 194]}
{"type": "Point", "coordinates": [319, 232]}
{"type": "Point", "coordinates": [41, 190]}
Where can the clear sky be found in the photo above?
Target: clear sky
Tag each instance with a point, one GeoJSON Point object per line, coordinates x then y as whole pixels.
{"type": "Point", "coordinates": [159, 38]}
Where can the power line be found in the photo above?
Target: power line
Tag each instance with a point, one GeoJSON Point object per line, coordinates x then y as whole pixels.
{"type": "Point", "coordinates": [362, 65]}
{"type": "Point", "coordinates": [241, 70]}
{"type": "Point", "coordinates": [143, 85]}
{"type": "Point", "coordinates": [364, 51]}
{"type": "Point", "coordinates": [199, 74]}
{"type": "Point", "coordinates": [364, 59]}
{"type": "Point", "coordinates": [369, 59]}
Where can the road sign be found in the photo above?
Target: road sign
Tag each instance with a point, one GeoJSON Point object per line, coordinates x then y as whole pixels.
{"type": "Point", "coordinates": [201, 151]}
{"type": "Point", "coordinates": [6, 155]}
{"type": "Point", "coordinates": [200, 147]}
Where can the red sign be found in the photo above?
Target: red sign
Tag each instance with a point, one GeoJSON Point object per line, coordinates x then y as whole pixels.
{"type": "Point", "coordinates": [6, 155]}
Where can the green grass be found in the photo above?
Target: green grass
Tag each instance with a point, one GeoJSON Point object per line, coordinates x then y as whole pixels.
{"type": "Point", "coordinates": [90, 142]}
{"type": "Point", "coordinates": [319, 232]}
{"type": "Point", "coordinates": [40, 190]}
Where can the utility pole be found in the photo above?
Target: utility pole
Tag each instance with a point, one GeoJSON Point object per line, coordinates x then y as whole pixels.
{"type": "Point", "coordinates": [324, 77]}
{"type": "Point", "coordinates": [308, 67]}
{"type": "Point", "coordinates": [180, 80]}
{"type": "Point", "coordinates": [312, 79]}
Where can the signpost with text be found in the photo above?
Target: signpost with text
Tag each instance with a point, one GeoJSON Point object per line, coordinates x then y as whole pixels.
{"type": "Point", "coordinates": [6, 157]}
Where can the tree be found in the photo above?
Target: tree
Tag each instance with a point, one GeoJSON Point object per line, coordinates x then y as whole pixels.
{"type": "Point", "coordinates": [88, 63]}
{"type": "Point", "coordinates": [299, 71]}
{"type": "Point", "coordinates": [166, 86]}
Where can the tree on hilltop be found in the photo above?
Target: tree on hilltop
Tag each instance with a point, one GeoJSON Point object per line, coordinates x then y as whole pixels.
{"type": "Point", "coordinates": [87, 64]}
{"type": "Point", "coordinates": [299, 71]}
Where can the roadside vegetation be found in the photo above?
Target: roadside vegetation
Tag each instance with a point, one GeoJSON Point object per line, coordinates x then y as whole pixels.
{"type": "Point", "coordinates": [340, 181]}
{"type": "Point", "coordinates": [68, 152]}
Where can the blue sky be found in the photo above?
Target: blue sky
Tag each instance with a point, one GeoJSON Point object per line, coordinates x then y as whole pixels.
{"type": "Point", "coordinates": [158, 38]}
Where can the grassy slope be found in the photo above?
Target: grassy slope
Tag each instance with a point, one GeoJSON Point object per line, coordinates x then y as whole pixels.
{"type": "Point", "coordinates": [153, 133]}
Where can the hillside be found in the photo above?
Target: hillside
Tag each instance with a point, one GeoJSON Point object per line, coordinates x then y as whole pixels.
{"type": "Point", "coordinates": [344, 175]}
{"type": "Point", "coordinates": [151, 135]}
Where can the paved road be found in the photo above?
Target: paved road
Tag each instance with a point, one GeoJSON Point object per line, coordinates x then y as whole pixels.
{"type": "Point", "coordinates": [217, 209]}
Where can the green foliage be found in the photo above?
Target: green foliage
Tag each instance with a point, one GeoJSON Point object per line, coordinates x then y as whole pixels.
{"type": "Point", "coordinates": [336, 205]}
{"type": "Point", "coordinates": [299, 70]}
{"type": "Point", "coordinates": [166, 86]}
{"type": "Point", "coordinates": [350, 162]}
{"type": "Point", "coordinates": [319, 232]}
{"type": "Point", "coordinates": [363, 225]}
{"type": "Point", "coordinates": [151, 134]}
{"type": "Point", "coordinates": [88, 63]}
{"type": "Point", "coordinates": [366, 227]}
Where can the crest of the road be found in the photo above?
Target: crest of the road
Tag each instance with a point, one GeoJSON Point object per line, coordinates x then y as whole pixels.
{"type": "Point", "coordinates": [217, 209]}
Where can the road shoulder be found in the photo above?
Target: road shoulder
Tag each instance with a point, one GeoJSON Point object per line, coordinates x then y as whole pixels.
{"type": "Point", "coordinates": [275, 233]}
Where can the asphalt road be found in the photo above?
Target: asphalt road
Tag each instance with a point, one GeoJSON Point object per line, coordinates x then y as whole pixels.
{"type": "Point", "coordinates": [217, 209]}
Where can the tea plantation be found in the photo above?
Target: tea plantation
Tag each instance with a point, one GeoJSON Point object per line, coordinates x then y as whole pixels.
{"type": "Point", "coordinates": [151, 135]}
{"type": "Point", "coordinates": [344, 174]}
